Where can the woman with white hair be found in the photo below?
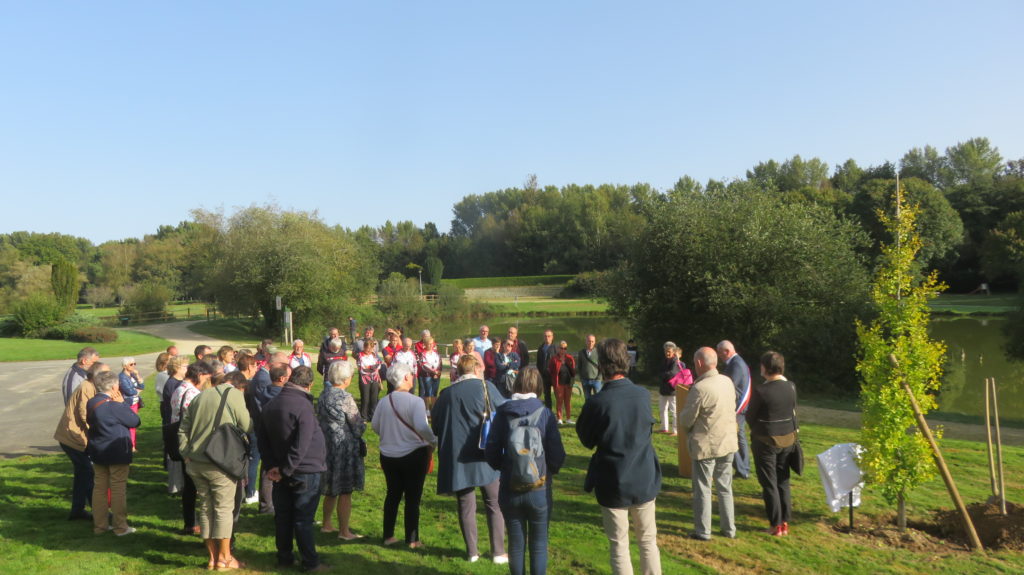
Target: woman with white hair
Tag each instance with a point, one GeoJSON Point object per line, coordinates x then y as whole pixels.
{"type": "Point", "coordinates": [130, 383]}
{"type": "Point", "coordinates": [298, 356]}
{"type": "Point", "coordinates": [343, 429]}
{"type": "Point", "coordinates": [406, 444]}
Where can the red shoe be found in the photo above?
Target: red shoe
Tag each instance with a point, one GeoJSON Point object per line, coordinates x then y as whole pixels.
{"type": "Point", "coordinates": [777, 531]}
{"type": "Point", "coordinates": [785, 528]}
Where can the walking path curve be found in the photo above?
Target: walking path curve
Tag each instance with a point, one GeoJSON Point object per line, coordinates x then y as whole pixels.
{"type": "Point", "coordinates": [32, 403]}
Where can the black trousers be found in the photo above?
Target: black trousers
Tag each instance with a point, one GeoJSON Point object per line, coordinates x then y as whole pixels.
{"type": "Point", "coordinates": [188, 499]}
{"type": "Point", "coordinates": [772, 470]}
{"type": "Point", "coordinates": [404, 476]}
{"type": "Point", "coordinates": [369, 394]}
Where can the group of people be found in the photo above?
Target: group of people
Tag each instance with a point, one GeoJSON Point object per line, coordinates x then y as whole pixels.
{"type": "Point", "coordinates": [492, 429]}
{"type": "Point", "coordinates": [721, 402]}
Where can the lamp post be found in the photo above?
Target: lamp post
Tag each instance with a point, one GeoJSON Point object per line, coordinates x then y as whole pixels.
{"type": "Point", "coordinates": [420, 270]}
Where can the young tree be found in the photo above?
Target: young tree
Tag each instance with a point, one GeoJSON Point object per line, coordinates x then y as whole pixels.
{"type": "Point", "coordinates": [65, 283]}
{"type": "Point", "coordinates": [895, 461]}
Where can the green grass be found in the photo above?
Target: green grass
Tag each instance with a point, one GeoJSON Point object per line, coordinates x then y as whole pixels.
{"type": "Point", "coordinates": [128, 343]}
{"type": "Point", "coordinates": [546, 305]}
{"type": "Point", "coordinates": [239, 331]}
{"type": "Point", "coordinates": [517, 281]}
{"type": "Point", "coordinates": [36, 538]}
{"type": "Point", "coordinates": [996, 304]}
{"type": "Point", "coordinates": [180, 310]}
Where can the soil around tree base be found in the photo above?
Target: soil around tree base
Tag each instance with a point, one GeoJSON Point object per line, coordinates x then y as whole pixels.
{"type": "Point", "coordinates": [944, 532]}
{"type": "Point", "coordinates": [996, 531]}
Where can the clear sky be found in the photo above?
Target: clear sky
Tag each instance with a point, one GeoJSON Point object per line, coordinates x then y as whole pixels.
{"type": "Point", "coordinates": [117, 117]}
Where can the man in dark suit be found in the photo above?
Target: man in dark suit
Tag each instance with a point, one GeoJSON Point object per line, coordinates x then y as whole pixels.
{"type": "Point", "coordinates": [736, 369]}
{"type": "Point", "coordinates": [544, 354]}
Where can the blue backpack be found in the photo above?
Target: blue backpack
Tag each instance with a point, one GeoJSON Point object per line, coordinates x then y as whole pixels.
{"type": "Point", "coordinates": [525, 449]}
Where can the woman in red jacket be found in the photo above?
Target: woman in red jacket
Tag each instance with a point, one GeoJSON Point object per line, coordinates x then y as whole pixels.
{"type": "Point", "coordinates": [562, 368]}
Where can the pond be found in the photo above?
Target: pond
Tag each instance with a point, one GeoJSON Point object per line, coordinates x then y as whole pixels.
{"type": "Point", "coordinates": [974, 353]}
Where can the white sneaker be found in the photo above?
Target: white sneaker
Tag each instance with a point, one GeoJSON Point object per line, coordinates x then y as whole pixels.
{"type": "Point", "coordinates": [128, 531]}
{"type": "Point", "coordinates": [571, 421]}
{"type": "Point", "coordinates": [501, 560]}
{"type": "Point", "coordinates": [560, 422]}
{"type": "Point", "coordinates": [474, 558]}
{"type": "Point", "coordinates": [254, 499]}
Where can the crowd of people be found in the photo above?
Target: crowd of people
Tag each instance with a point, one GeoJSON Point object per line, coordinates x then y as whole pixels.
{"type": "Point", "coordinates": [496, 427]}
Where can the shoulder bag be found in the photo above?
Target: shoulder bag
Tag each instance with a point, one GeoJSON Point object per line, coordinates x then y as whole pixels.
{"type": "Point", "coordinates": [430, 466]}
{"type": "Point", "coordinates": [487, 418]}
{"type": "Point", "coordinates": [228, 447]}
{"type": "Point", "coordinates": [796, 457]}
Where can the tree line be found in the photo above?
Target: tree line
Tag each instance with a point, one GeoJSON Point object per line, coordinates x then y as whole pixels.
{"type": "Point", "coordinates": [786, 248]}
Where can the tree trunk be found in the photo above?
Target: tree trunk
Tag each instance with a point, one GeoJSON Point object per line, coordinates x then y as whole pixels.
{"type": "Point", "coordinates": [901, 514]}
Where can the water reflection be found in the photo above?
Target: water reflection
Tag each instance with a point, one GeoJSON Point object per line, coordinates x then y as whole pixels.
{"type": "Point", "coordinates": [974, 352]}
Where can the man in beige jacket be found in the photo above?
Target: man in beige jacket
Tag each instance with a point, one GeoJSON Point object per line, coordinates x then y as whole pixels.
{"type": "Point", "coordinates": [709, 418]}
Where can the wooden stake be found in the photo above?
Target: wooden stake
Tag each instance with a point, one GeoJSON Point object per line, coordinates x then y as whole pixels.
{"type": "Point", "coordinates": [941, 463]}
{"type": "Point", "coordinates": [999, 447]}
{"type": "Point", "coordinates": [988, 438]}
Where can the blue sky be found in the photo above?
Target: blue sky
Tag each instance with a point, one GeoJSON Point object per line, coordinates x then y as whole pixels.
{"type": "Point", "coordinates": [117, 117]}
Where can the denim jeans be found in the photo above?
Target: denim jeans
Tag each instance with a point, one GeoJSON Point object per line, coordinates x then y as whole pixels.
{"type": "Point", "coordinates": [526, 521]}
{"type": "Point", "coordinates": [82, 485]}
{"type": "Point", "coordinates": [428, 386]}
{"type": "Point", "coordinates": [296, 499]}
{"type": "Point", "coordinates": [591, 387]}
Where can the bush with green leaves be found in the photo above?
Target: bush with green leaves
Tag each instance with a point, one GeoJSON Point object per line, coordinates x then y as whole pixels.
{"type": "Point", "coordinates": [895, 460]}
{"type": "Point", "coordinates": [94, 335]}
{"type": "Point", "coordinates": [69, 325]}
{"type": "Point", "coordinates": [37, 313]}
{"type": "Point", "coordinates": [740, 264]}
{"type": "Point", "coordinates": [586, 284]}
{"type": "Point", "coordinates": [146, 298]}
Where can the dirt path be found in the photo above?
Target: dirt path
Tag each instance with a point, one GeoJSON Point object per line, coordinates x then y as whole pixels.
{"type": "Point", "coordinates": [32, 403]}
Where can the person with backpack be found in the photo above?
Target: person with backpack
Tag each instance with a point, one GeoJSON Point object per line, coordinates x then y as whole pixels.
{"type": "Point", "coordinates": [526, 447]}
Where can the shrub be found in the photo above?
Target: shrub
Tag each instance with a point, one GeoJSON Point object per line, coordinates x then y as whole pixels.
{"type": "Point", "coordinates": [147, 297]}
{"type": "Point", "coordinates": [94, 335]}
{"type": "Point", "coordinates": [100, 296]}
{"type": "Point", "coordinates": [36, 314]}
{"type": "Point", "coordinates": [71, 324]}
{"type": "Point", "coordinates": [586, 284]}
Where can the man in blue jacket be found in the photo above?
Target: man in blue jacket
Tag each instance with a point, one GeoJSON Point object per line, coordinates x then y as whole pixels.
{"type": "Point", "coordinates": [736, 369]}
{"type": "Point", "coordinates": [624, 471]}
{"type": "Point", "coordinates": [294, 452]}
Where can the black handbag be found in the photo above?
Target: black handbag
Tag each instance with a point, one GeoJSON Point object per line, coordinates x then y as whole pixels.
{"type": "Point", "coordinates": [170, 432]}
{"type": "Point", "coordinates": [486, 419]}
{"type": "Point", "coordinates": [796, 456]}
{"type": "Point", "coordinates": [228, 447]}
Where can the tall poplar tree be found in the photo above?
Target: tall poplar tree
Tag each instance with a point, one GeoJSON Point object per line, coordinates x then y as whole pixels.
{"type": "Point", "coordinates": [897, 457]}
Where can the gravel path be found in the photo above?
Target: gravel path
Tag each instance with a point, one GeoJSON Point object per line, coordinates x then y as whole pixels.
{"type": "Point", "coordinates": [32, 403]}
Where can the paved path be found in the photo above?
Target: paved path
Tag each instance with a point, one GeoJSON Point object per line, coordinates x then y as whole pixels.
{"type": "Point", "coordinates": [32, 403]}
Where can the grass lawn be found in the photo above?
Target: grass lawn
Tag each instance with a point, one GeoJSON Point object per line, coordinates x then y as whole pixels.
{"type": "Point", "coordinates": [967, 304]}
{"type": "Point", "coordinates": [238, 331]}
{"type": "Point", "coordinates": [35, 536]}
{"type": "Point", "coordinates": [546, 305]}
{"type": "Point", "coordinates": [180, 310]}
{"type": "Point", "coordinates": [128, 343]}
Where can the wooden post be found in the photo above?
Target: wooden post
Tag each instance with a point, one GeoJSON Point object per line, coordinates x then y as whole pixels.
{"type": "Point", "coordinates": [988, 438]}
{"type": "Point", "coordinates": [685, 463]}
{"type": "Point", "coordinates": [999, 447]}
{"type": "Point", "coordinates": [941, 463]}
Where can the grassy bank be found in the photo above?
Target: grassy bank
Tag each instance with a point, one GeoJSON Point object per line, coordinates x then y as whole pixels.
{"type": "Point", "coordinates": [548, 306]}
{"type": "Point", "coordinates": [960, 304]}
{"type": "Point", "coordinates": [514, 281]}
{"type": "Point", "coordinates": [128, 343]}
{"type": "Point", "coordinates": [37, 538]}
